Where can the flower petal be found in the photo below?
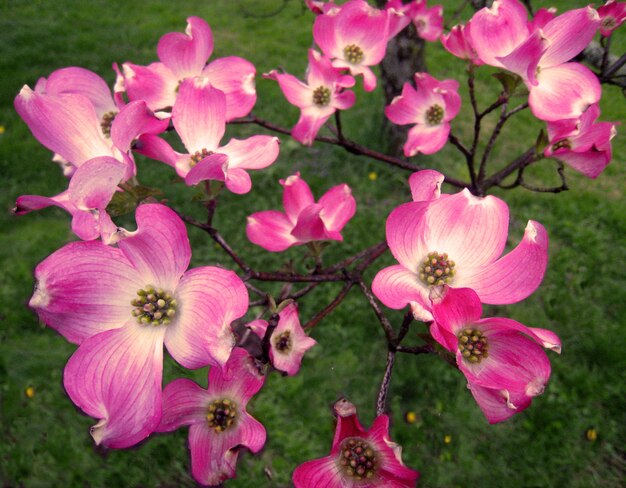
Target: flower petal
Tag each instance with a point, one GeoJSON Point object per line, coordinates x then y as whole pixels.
{"type": "Point", "coordinates": [186, 54]}
{"type": "Point", "coordinates": [297, 196]}
{"type": "Point", "coordinates": [426, 185]}
{"type": "Point", "coordinates": [498, 405]}
{"type": "Point", "coordinates": [115, 376]}
{"type": "Point", "coordinates": [84, 82]}
{"type": "Point", "coordinates": [398, 287]}
{"type": "Point", "coordinates": [426, 139]}
{"type": "Point", "coordinates": [339, 207]}
{"type": "Point", "coordinates": [209, 299]}
{"type": "Point", "coordinates": [406, 229]}
{"type": "Point", "coordinates": [319, 473]}
{"type": "Point", "coordinates": [235, 77]}
{"type": "Point", "coordinates": [271, 230]}
{"type": "Point", "coordinates": [135, 119]}
{"type": "Point", "coordinates": [456, 309]}
{"type": "Point", "coordinates": [184, 403]}
{"type": "Point", "coordinates": [213, 458]}
{"type": "Point", "coordinates": [155, 84]}
{"type": "Point", "coordinates": [256, 152]}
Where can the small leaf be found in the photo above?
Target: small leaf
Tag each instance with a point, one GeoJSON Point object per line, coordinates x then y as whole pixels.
{"type": "Point", "coordinates": [509, 81]}
{"type": "Point", "coordinates": [542, 142]}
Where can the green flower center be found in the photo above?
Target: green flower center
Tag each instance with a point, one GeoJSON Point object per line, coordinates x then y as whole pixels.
{"type": "Point", "coordinates": [562, 144]}
{"type": "Point", "coordinates": [357, 458]}
{"type": "Point", "coordinates": [106, 122]}
{"type": "Point", "coordinates": [353, 54]}
{"type": "Point", "coordinates": [434, 115]}
{"type": "Point", "coordinates": [473, 345]}
{"type": "Point", "coordinates": [437, 269]}
{"type": "Point", "coordinates": [282, 343]}
{"type": "Point", "coordinates": [154, 306]}
{"type": "Point", "coordinates": [321, 96]}
{"type": "Point", "coordinates": [222, 414]}
{"type": "Point", "coordinates": [199, 156]}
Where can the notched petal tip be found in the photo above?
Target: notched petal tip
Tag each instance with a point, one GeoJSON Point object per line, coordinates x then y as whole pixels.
{"type": "Point", "coordinates": [97, 431]}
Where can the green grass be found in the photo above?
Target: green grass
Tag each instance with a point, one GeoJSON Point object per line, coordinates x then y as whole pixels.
{"type": "Point", "coordinates": [45, 440]}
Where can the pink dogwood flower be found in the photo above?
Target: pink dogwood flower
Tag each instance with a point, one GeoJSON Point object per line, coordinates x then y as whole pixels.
{"type": "Point", "coordinates": [428, 22]}
{"type": "Point", "coordinates": [431, 108]}
{"type": "Point", "coordinates": [121, 304]}
{"type": "Point", "coordinates": [457, 43]}
{"type": "Point", "coordinates": [218, 422]}
{"type": "Point", "coordinates": [503, 360]}
{"type": "Point", "coordinates": [583, 144]}
{"type": "Point", "coordinates": [304, 220]}
{"type": "Point", "coordinates": [355, 37]}
{"type": "Point", "coordinates": [185, 56]}
{"type": "Point", "coordinates": [358, 458]}
{"type": "Point", "coordinates": [612, 15]}
{"type": "Point", "coordinates": [456, 240]}
{"type": "Point", "coordinates": [199, 117]}
{"type": "Point", "coordinates": [318, 98]}
{"type": "Point", "coordinates": [288, 343]}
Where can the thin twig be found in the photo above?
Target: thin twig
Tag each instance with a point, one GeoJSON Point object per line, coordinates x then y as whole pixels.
{"type": "Point", "coordinates": [330, 307]}
{"type": "Point", "coordinates": [384, 321]}
{"type": "Point", "coordinates": [381, 401]}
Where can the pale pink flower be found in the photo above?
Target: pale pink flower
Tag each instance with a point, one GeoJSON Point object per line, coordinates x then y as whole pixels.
{"type": "Point", "coordinates": [358, 458]}
{"type": "Point", "coordinates": [318, 98]}
{"type": "Point", "coordinates": [121, 304]}
{"type": "Point", "coordinates": [431, 108]}
{"type": "Point", "coordinates": [355, 37]}
{"type": "Point", "coordinates": [456, 240]}
{"type": "Point", "coordinates": [612, 15]}
{"type": "Point", "coordinates": [185, 56]}
{"type": "Point", "coordinates": [457, 43]}
{"type": "Point", "coordinates": [288, 342]}
{"type": "Point", "coordinates": [428, 22]}
{"type": "Point", "coordinates": [503, 360]}
{"type": "Point", "coordinates": [304, 220]}
{"type": "Point", "coordinates": [199, 117]}
{"type": "Point", "coordinates": [583, 144]}
{"type": "Point", "coordinates": [219, 425]}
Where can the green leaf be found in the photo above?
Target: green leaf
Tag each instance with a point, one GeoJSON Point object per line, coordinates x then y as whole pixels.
{"type": "Point", "coordinates": [509, 81]}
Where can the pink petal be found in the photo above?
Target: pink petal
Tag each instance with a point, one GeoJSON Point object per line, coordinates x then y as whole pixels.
{"type": "Point", "coordinates": [343, 100]}
{"type": "Point", "coordinates": [83, 82]}
{"type": "Point", "coordinates": [213, 458]}
{"type": "Point", "coordinates": [405, 234]}
{"type": "Point", "coordinates": [319, 473]}
{"type": "Point", "coordinates": [210, 168]}
{"type": "Point", "coordinates": [309, 124]}
{"type": "Point", "coordinates": [79, 296]}
{"type": "Point", "coordinates": [27, 203]}
{"type": "Point", "coordinates": [297, 196]}
{"type": "Point", "coordinates": [239, 379]}
{"type": "Point", "coordinates": [210, 299]}
{"type": "Point", "coordinates": [199, 115]}
{"type": "Point", "coordinates": [94, 183]}
{"type": "Point", "coordinates": [367, 27]}
{"type": "Point", "coordinates": [406, 108]}
{"type": "Point", "coordinates": [545, 337]}
{"type": "Point", "coordinates": [135, 119]}
{"type": "Point", "coordinates": [524, 59]}
{"type": "Point", "coordinates": [66, 124]}
{"type": "Point", "coordinates": [498, 405]}
{"type": "Point", "coordinates": [541, 18]}
{"type": "Point", "coordinates": [289, 359]}
{"type": "Point", "coordinates": [296, 92]}
{"type": "Point", "coordinates": [514, 276]}
{"type": "Point", "coordinates": [589, 163]}
{"type": "Point", "coordinates": [564, 92]}
{"type": "Point", "coordinates": [184, 403]}
{"type": "Point", "coordinates": [398, 287]}
{"type": "Point", "coordinates": [271, 230]}
{"type": "Point", "coordinates": [496, 31]}
{"type": "Point", "coordinates": [426, 139]}
{"type": "Point", "coordinates": [456, 309]}
{"type": "Point", "coordinates": [310, 226]}
{"type": "Point", "coordinates": [425, 185]}
{"type": "Point", "coordinates": [256, 152]}
{"type": "Point", "coordinates": [159, 248]}
{"type": "Point", "coordinates": [569, 34]}
{"type": "Point", "coordinates": [238, 181]}
{"type": "Point", "coordinates": [154, 147]}
{"type": "Point", "coordinates": [235, 77]}
{"type": "Point", "coordinates": [472, 230]}
{"type": "Point", "coordinates": [115, 376]}
{"type": "Point", "coordinates": [155, 84]}
{"type": "Point", "coordinates": [339, 207]}
{"type": "Point", "coordinates": [186, 54]}
{"type": "Point", "coordinates": [325, 36]}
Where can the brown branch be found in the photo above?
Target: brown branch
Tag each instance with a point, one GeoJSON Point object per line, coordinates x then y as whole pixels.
{"type": "Point", "coordinates": [317, 318]}
{"type": "Point", "coordinates": [381, 401]}
{"type": "Point", "coordinates": [384, 321]}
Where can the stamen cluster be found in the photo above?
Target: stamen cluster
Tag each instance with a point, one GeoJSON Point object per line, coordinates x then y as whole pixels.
{"type": "Point", "coordinates": [353, 53]}
{"type": "Point", "coordinates": [199, 156]}
{"type": "Point", "coordinates": [106, 122]}
{"type": "Point", "coordinates": [434, 115]}
{"type": "Point", "coordinates": [437, 269]}
{"type": "Point", "coordinates": [473, 345]}
{"type": "Point", "coordinates": [283, 342]}
{"type": "Point", "coordinates": [562, 144]}
{"type": "Point", "coordinates": [154, 306]}
{"type": "Point", "coordinates": [321, 96]}
{"type": "Point", "coordinates": [222, 414]}
{"type": "Point", "coordinates": [358, 459]}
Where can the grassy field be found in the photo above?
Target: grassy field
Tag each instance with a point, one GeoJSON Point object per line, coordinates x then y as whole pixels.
{"type": "Point", "coordinates": [45, 440]}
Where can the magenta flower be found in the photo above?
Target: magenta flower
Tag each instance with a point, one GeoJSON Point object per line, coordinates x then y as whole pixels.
{"type": "Point", "coordinates": [304, 220]}
{"type": "Point", "coordinates": [319, 98]}
{"type": "Point", "coordinates": [199, 117]}
{"type": "Point", "coordinates": [185, 56]}
{"type": "Point", "coordinates": [121, 304]}
{"type": "Point", "coordinates": [288, 343]}
{"type": "Point", "coordinates": [218, 422]}
{"type": "Point", "coordinates": [431, 108]}
{"type": "Point", "coordinates": [457, 43]}
{"type": "Point", "coordinates": [612, 15]}
{"type": "Point", "coordinates": [428, 22]}
{"type": "Point", "coordinates": [358, 458]}
{"type": "Point", "coordinates": [456, 240]}
{"type": "Point", "coordinates": [355, 37]}
{"type": "Point", "coordinates": [503, 360]}
{"type": "Point", "coordinates": [583, 144]}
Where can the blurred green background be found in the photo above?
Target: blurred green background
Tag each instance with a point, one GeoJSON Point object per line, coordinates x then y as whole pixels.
{"type": "Point", "coordinates": [572, 436]}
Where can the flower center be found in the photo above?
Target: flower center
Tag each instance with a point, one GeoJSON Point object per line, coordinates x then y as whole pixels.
{"type": "Point", "coordinates": [437, 269]}
{"type": "Point", "coordinates": [434, 115]}
{"type": "Point", "coordinates": [222, 414]}
{"type": "Point", "coordinates": [321, 96]}
{"type": "Point", "coordinates": [473, 345]}
{"type": "Point", "coordinates": [283, 342]}
{"type": "Point", "coordinates": [357, 458]}
{"type": "Point", "coordinates": [106, 122]}
{"type": "Point", "coordinates": [199, 156]}
{"type": "Point", "coordinates": [609, 22]}
{"type": "Point", "coordinates": [353, 54]}
{"type": "Point", "coordinates": [154, 306]}
{"type": "Point", "coordinates": [562, 144]}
